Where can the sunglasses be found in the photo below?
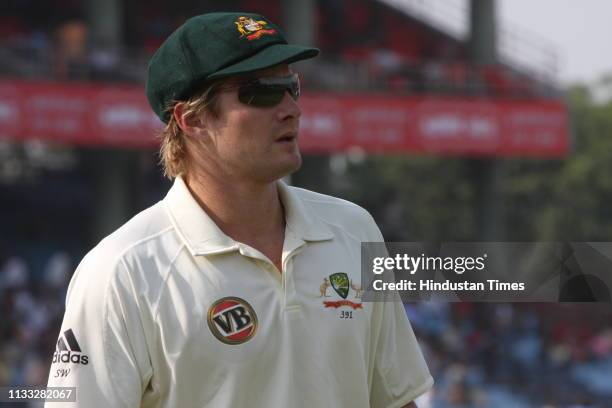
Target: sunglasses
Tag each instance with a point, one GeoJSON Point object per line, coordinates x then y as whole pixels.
{"type": "Point", "coordinates": [268, 92]}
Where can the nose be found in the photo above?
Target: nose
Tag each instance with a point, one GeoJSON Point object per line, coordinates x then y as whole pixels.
{"type": "Point", "coordinates": [288, 109]}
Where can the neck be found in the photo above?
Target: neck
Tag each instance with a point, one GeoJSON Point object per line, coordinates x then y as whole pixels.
{"type": "Point", "coordinates": [244, 210]}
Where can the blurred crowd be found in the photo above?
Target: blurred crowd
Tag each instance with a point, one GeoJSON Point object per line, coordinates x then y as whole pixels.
{"type": "Point", "coordinates": [367, 46]}
{"type": "Point", "coordinates": [516, 354]}
{"type": "Point", "coordinates": [480, 354]}
{"type": "Point", "coordinates": [64, 52]}
{"type": "Point", "coordinates": [31, 306]}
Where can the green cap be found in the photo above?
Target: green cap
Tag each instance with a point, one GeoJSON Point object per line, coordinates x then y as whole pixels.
{"type": "Point", "coordinates": [212, 46]}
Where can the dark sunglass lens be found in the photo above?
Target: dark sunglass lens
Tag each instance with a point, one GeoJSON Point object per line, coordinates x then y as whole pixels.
{"type": "Point", "coordinates": [261, 95]}
{"type": "Point", "coordinates": [266, 92]}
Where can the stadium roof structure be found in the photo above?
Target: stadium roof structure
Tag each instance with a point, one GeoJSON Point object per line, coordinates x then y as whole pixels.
{"type": "Point", "coordinates": [518, 48]}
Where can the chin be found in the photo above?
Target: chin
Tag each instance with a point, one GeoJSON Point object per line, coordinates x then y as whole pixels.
{"type": "Point", "coordinates": [284, 168]}
{"type": "Point", "coordinates": [297, 163]}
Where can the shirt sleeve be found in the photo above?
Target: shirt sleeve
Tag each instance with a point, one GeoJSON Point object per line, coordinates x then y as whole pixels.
{"type": "Point", "coordinates": [102, 348]}
{"type": "Point", "coordinates": [400, 373]}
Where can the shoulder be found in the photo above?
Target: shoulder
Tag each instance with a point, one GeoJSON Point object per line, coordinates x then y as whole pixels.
{"type": "Point", "coordinates": [129, 253]}
{"type": "Point", "coordinates": [144, 229]}
{"type": "Point", "coordinates": [340, 213]}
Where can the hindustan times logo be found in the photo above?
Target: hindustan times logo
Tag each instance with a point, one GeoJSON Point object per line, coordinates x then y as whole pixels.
{"type": "Point", "coordinates": [68, 350]}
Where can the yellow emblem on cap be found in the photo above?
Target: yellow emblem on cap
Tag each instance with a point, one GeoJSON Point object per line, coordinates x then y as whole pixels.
{"type": "Point", "coordinates": [252, 29]}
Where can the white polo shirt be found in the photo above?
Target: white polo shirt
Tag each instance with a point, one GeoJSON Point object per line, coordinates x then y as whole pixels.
{"type": "Point", "coordinates": [168, 311]}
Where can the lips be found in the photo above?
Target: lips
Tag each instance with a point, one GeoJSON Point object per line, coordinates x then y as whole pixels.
{"type": "Point", "coordinates": [287, 137]}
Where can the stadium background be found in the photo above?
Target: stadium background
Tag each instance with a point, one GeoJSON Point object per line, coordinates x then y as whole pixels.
{"type": "Point", "coordinates": [498, 151]}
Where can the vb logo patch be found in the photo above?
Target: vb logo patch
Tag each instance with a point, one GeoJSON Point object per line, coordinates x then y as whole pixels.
{"type": "Point", "coordinates": [252, 29]}
{"type": "Point", "coordinates": [232, 320]}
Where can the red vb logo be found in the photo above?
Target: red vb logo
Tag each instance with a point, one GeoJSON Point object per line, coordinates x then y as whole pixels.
{"type": "Point", "coordinates": [232, 320]}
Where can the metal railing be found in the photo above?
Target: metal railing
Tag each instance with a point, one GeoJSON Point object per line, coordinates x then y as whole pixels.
{"type": "Point", "coordinates": [429, 77]}
{"type": "Point", "coordinates": [324, 74]}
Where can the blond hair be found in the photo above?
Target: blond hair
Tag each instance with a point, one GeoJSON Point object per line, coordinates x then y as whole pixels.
{"type": "Point", "coordinates": [173, 150]}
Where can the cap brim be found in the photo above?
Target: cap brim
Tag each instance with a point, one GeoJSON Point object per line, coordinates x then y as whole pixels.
{"type": "Point", "coordinates": [266, 58]}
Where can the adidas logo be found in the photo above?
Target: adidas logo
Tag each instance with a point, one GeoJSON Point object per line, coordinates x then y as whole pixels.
{"type": "Point", "coordinates": [68, 350]}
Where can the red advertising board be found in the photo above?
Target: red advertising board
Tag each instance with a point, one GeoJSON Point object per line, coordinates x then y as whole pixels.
{"type": "Point", "coordinates": [105, 115]}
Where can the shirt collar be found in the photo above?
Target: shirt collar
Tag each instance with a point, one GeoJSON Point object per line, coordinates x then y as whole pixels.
{"type": "Point", "coordinates": [203, 237]}
{"type": "Point", "coordinates": [300, 217]}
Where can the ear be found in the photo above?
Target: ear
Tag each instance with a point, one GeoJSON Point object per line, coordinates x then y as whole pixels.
{"type": "Point", "coordinates": [189, 124]}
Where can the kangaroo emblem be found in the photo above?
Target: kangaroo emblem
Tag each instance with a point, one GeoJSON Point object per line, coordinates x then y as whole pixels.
{"type": "Point", "coordinates": [358, 289]}
{"type": "Point", "coordinates": [323, 288]}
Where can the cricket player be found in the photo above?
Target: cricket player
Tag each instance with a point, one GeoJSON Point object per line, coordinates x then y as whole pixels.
{"type": "Point", "coordinates": [235, 290]}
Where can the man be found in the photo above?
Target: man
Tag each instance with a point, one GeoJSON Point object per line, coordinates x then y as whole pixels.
{"type": "Point", "coordinates": [215, 297]}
